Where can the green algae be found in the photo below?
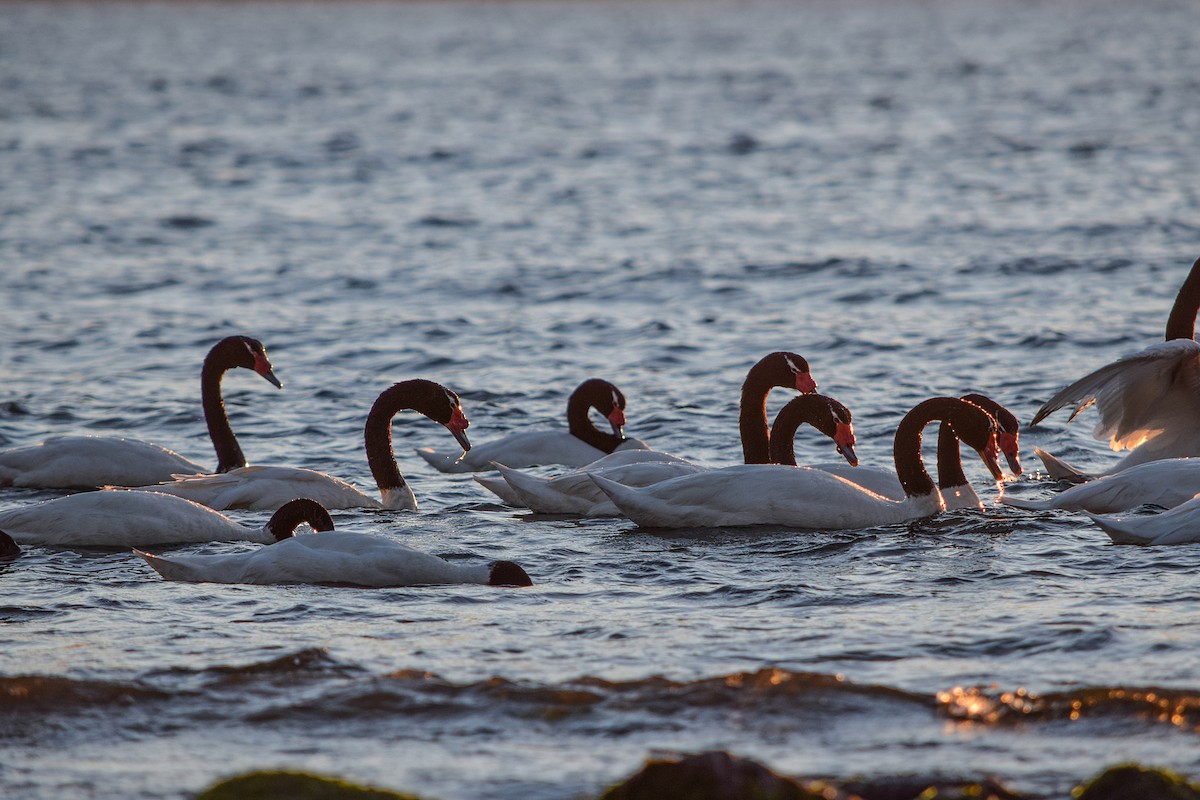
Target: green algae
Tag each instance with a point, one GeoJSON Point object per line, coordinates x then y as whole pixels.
{"type": "Point", "coordinates": [294, 786]}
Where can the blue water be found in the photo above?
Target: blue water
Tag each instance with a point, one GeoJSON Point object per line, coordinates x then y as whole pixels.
{"type": "Point", "coordinates": [922, 198]}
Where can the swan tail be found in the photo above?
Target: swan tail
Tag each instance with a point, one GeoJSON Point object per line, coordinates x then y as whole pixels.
{"type": "Point", "coordinates": [535, 493]}
{"type": "Point", "coordinates": [168, 569]}
{"type": "Point", "coordinates": [1061, 470]}
{"type": "Point", "coordinates": [499, 487]}
{"type": "Point", "coordinates": [442, 462]}
{"type": "Point", "coordinates": [1121, 531]}
{"type": "Point", "coordinates": [631, 503]}
{"type": "Point", "coordinates": [1028, 505]}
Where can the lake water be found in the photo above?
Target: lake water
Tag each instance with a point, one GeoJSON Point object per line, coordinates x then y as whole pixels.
{"type": "Point", "coordinates": [922, 198]}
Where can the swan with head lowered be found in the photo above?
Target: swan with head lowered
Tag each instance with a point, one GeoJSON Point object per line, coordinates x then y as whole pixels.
{"type": "Point", "coordinates": [577, 493]}
{"type": "Point", "coordinates": [779, 369]}
{"type": "Point", "coordinates": [353, 559]}
{"type": "Point", "coordinates": [1166, 483]}
{"type": "Point", "coordinates": [582, 443]}
{"type": "Point", "coordinates": [266, 487]}
{"type": "Point", "coordinates": [85, 462]}
{"type": "Point", "coordinates": [952, 482]}
{"type": "Point", "coordinates": [1179, 525]}
{"type": "Point", "coordinates": [134, 518]}
{"type": "Point", "coordinates": [801, 497]}
{"type": "Point", "coordinates": [1149, 402]}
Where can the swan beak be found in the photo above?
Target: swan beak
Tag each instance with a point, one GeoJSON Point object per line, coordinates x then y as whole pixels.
{"type": "Point", "coordinates": [991, 459]}
{"type": "Point", "coordinates": [263, 367]}
{"type": "Point", "coordinates": [848, 453]}
{"type": "Point", "coordinates": [617, 420]}
{"type": "Point", "coordinates": [805, 383]}
{"type": "Point", "coordinates": [458, 425]}
{"type": "Point", "coordinates": [1008, 445]}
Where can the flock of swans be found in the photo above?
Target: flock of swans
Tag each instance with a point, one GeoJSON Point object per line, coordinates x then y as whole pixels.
{"type": "Point", "coordinates": [147, 495]}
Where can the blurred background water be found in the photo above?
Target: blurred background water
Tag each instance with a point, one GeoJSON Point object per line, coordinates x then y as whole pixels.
{"type": "Point", "coordinates": [922, 197]}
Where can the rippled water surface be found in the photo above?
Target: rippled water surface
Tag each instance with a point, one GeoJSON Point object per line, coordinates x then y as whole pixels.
{"type": "Point", "coordinates": [921, 197]}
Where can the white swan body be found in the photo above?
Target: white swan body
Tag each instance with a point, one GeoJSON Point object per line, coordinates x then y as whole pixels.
{"type": "Point", "coordinates": [123, 519]}
{"type": "Point", "coordinates": [262, 488]}
{"type": "Point", "coordinates": [525, 449]}
{"type": "Point", "coordinates": [66, 462]}
{"type": "Point", "coordinates": [498, 485]}
{"type": "Point", "coordinates": [763, 494]}
{"type": "Point", "coordinates": [341, 558]}
{"type": "Point", "coordinates": [85, 462]}
{"type": "Point", "coordinates": [885, 484]}
{"type": "Point", "coordinates": [801, 497]}
{"type": "Point", "coordinates": [1166, 483]}
{"type": "Point", "coordinates": [267, 487]}
{"type": "Point", "coordinates": [1179, 525]}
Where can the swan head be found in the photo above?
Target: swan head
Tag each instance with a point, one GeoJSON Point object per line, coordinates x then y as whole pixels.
{"type": "Point", "coordinates": [1008, 429]}
{"type": "Point", "coordinates": [507, 573]}
{"type": "Point", "coordinates": [603, 396]}
{"type": "Point", "coordinates": [801, 376]}
{"type": "Point", "coordinates": [458, 422]}
{"type": "Point", "coordinates": [294, 513]}
{"type": "Point", "coordinates": [249, 353]}
{"type": "Point", "coordinates": [844, 438]}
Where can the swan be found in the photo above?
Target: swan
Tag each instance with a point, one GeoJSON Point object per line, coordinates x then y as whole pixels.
{"type": "Point", "coordinates": [801, 497]}
{"type": "Point", "coordinates": [778, 369]}
{"type": "Point", "coordinates": [1167, 483]}
{"type": "Point", "coordinates": [85, 462]}
{"type": "Point", "coordinates": [1179, 525]}
{"type": "Point", "coordinates": [266, 487]}
{"type": "Point", "coordinates": [952, 483]}
{"type": "Point", "coordinates": [1149, 402]}
{"type": "Point", "coordinates": [581, 444]}
{"type": "Point", "coordinates": [122, 519]}
{"type": "Point", "coordinates": [576, 493]}
{"type": "Point", "coordinates": [354, 559]}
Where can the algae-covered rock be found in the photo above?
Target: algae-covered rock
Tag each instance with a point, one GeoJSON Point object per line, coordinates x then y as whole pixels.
{"type": "Point", "coordinates": [1131, 781]}
{"type": "Point", "coordinates": [712, 776]}
{"type": "Point", "coordinates": [928, 788]}
{"type": "Point", "coordinates": [293, 786]}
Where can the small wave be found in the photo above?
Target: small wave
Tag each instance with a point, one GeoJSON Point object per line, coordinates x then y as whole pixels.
{"type": "Point", "coordinates": [1177, 707]}
{"type": "Point", "coordinates": [25, 693]}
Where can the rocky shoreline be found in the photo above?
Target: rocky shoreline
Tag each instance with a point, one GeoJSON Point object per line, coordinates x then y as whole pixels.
{"type": "Point", "coordinates": [721, 776]}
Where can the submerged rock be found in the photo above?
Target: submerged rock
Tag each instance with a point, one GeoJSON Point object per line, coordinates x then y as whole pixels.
{"type": "Point", "coordinates": [294, 786]}
{"type": "Point", "coordinates": [1131, 781]}
{"type": "Point", "coordinates": [713, 776]}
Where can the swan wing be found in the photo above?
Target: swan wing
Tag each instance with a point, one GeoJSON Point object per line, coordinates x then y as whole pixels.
{"type": "Point", "coordinates": [266, 488]}
{"type": "Point", "coordinates": [874, 479]}
{"type": "Point", "coordinates": [527, 449]}
{"type": "Point", "coordinates": [761, 494]}
{"type": "Point", "coordinates": [1166, 483]}
{"type": "Point", "coordinates": [1140, 396]}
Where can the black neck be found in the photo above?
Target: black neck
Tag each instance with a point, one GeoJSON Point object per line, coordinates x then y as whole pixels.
{"type": "Point", "coordinates": [229, 452]}
{"type": "Point", "coordinates": [597, 394]}
{"type": "Point", "coordinates": [1182, 322]}
{"type": "Point", "coordinates": [906, 451]}
{"type": "Point", "coordinates": [770, 371]}
{"type": "Point", "coordinates": [425, 397]}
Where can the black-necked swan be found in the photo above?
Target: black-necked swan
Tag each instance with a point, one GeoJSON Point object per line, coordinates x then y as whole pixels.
{"type": "Point", "coordinates": [85, 462]}
{"type": "Point", "coordinates": [1149, 402]}
{"type": "Point", "coordinates": [8, 547]}
{"type": "Point", "coordinates": [952, 482]}
{"type": "Point", "coordinates": [801, 497]}
{"type": "Point", "coordinates": [266, 487]}
{"type": "Point", "coordinates": [353, 559]}
{"type": "Point", "coordinates": [582, 443]}
{"type": "Point", "coordinates": [576, 493]}
{"type": "Point", "coordinates": [136, 518]}
{"type": "Point", "coordinates": [779, 369]}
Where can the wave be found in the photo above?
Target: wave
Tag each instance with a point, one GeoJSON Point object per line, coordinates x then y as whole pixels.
{"type": "Point", "coordinates": [1177, 707]}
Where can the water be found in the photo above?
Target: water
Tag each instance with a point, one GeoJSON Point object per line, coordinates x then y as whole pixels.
{"type": "Point", "coordinates": [921, 197]}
